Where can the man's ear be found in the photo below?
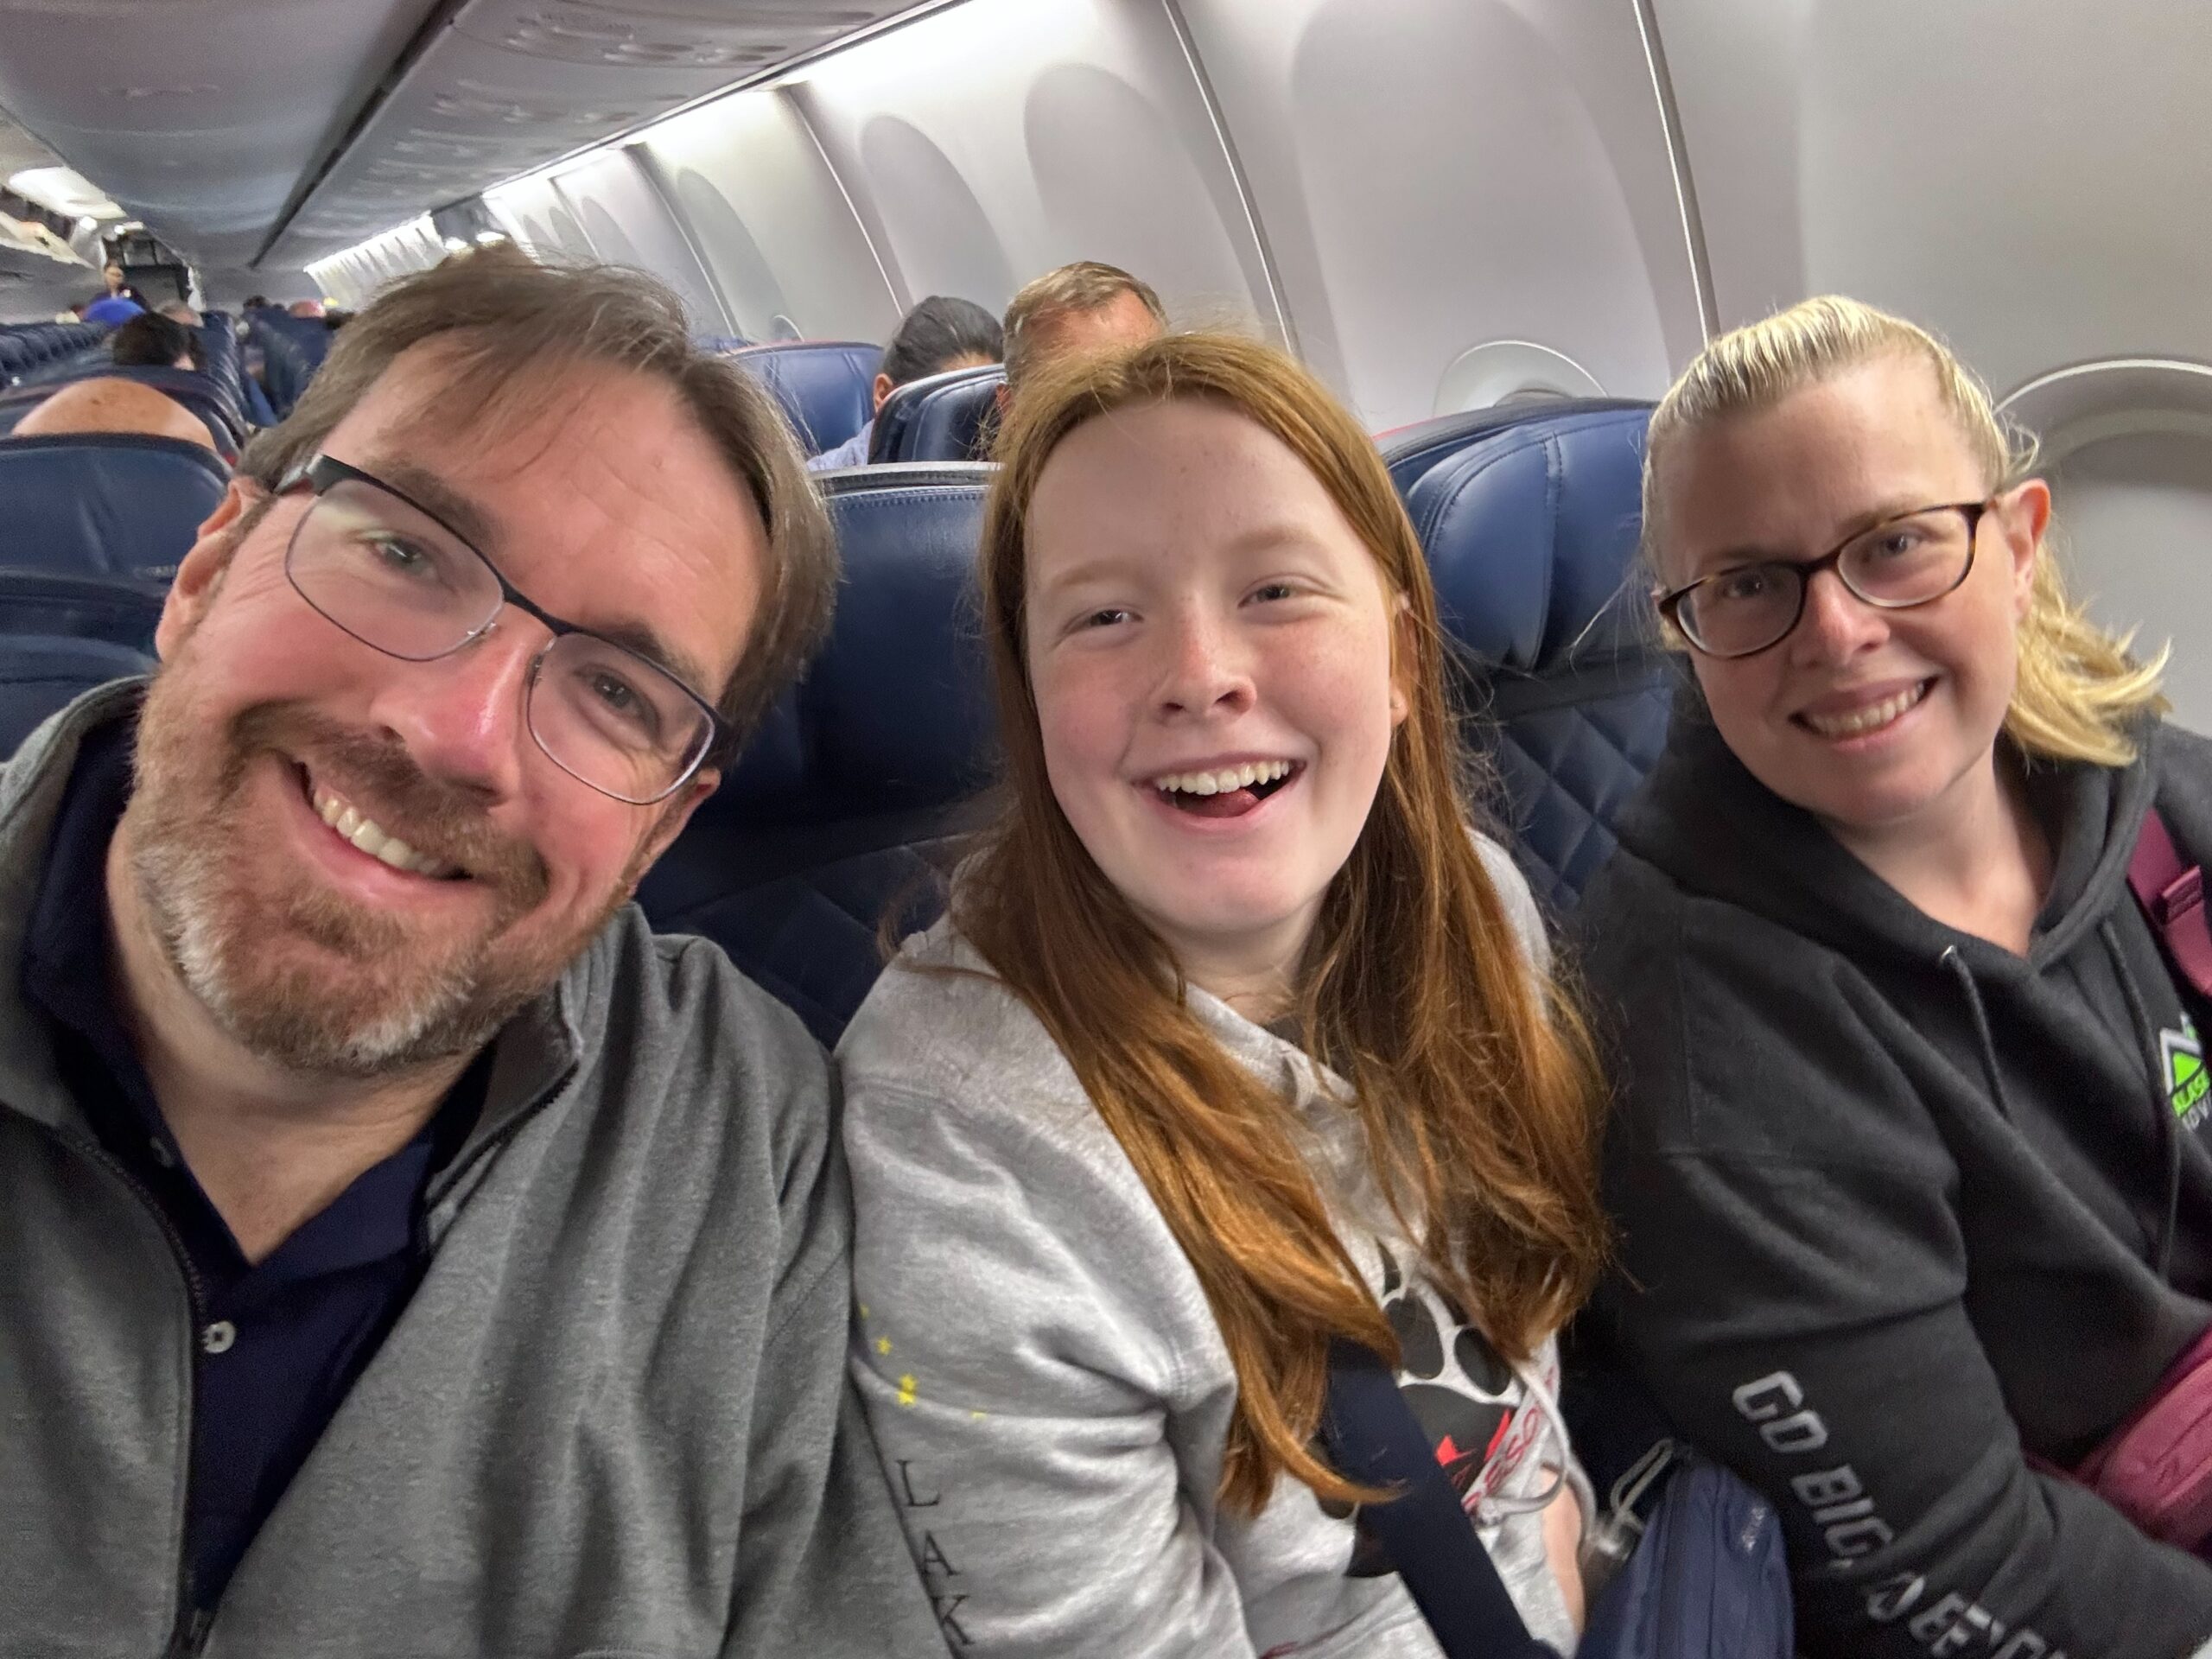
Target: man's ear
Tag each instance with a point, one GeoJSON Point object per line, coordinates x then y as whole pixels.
{"type": "Point", "coordinates": [200, 577]}
{"type": "Point", "coordinates": [675, 813]}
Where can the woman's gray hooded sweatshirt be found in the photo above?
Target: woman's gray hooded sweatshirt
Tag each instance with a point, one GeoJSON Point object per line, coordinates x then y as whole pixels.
{"type": "Point", "coordinates": [1894, 1200]}
{"type": "Point", "coordinates": [1050, 1393]}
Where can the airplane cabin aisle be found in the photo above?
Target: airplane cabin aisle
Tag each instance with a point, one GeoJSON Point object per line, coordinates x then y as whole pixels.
{"type": "Point", "coordinates": [1440, 204]}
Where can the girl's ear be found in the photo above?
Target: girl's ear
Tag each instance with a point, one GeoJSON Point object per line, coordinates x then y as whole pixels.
{"type": "Point", "coordinates": [1404, 656]}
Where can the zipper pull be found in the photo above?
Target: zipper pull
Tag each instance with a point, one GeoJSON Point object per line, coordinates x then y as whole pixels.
{"type": "Point", "coordinates": [1614, 1536]}
{"type": "Point", "coordinates": [191, 1633]}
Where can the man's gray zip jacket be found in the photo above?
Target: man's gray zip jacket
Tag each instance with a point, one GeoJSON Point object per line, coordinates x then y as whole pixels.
{"type": "Point", "coordinates": [613, 1420]}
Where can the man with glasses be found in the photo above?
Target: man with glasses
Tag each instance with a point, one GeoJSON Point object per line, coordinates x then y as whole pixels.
{"type": "Point", "coordinates": [402, 1251]}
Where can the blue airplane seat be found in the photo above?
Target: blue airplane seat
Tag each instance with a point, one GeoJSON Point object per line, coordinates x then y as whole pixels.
{"type": "Point", "coordinates": [1530, 527]}
{"type": "Point", "coordinates": [938, 417]}
{"type": "Point", "coordinates": [826, 386]}
{"type": "Point", "coordinates": [1410, 451]}
{"type": "Point", "coordinates": [856, 795]}
{"type": "Point", "coordinates": [219, 348]}
{"type": "Point", "coordinates": [121, 610]}
{"type": "Point", "coordinates": [104, 504]}
{"type": "Point", "coordinates": [40, 674]}
{"type": "Point", "coordinates": [258, 412]}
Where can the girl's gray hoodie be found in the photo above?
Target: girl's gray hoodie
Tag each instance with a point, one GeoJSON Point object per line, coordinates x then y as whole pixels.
{"type": "Point", "coordinates": [1048, 1388]}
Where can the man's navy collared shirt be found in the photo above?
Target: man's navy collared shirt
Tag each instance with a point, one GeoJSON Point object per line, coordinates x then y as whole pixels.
{"type": "Point", "coordinates": [280, 1340]}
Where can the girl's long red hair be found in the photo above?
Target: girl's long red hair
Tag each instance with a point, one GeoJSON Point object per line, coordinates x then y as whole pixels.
{"type": "Point", "coordinates": [1473, 1081]}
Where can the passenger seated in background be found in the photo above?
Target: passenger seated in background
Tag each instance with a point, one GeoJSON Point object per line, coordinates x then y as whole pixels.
{"type": "Point", "coordinates": [1235, 1041]}
{"type": "Point", "coordinates": [940, 333]}
{"type": "Point", "coordinates": [310, 310]}
{"type": "Point", "coordinates": [1910, 1157]}
{"type": "Point", "coordinates": [402, 1250]}
{"type": "Point", "coordinates": [154, 341]}
{"type": "Point", "coordinates": [1084, 306]}
{"type": "Point", "coordinates": [111, 405]}
{"type": "Point", "coordinates": [178, 311]}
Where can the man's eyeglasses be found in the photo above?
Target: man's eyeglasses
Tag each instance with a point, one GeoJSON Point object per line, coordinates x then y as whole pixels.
{"type": "Point", "coordinates": [1913, 559]}
{"type": "Point", "coordinates": [392, 574]}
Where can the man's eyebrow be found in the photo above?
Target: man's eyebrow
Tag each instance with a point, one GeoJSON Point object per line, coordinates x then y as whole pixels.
{"type": "Point", "coordinates": [466, 520]}
{"type": "Point", "coordinates": [439, 498]}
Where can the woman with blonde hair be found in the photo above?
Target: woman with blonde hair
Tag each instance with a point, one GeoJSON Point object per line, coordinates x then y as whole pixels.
{"type": "Point", "coordinates": [1234, 1043]}
{"type": "Point", "coordinates": [1916, 1206]}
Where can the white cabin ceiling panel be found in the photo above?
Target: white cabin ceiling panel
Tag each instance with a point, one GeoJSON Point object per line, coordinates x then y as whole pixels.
{"type": "Point", "coordinates": [1437, 176]}
{"type": "Point", "coordinates": [990, 143]}
{"type": "Point", "coordinates": [511, 85]}
{"type": "Point", "coordinates": [2027, 176]}
{"type": "Point", "coordinates": [202, 118]}
{"type": "Point", "coordinates": [770, 219]}
{"type": "Point", "coordinates": [620, 209]}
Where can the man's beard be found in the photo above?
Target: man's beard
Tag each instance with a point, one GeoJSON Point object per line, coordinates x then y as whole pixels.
{"type": "Point", "coordinates": [233, 931]}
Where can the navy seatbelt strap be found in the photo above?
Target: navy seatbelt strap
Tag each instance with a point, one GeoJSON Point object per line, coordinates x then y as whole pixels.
{"type": "Point", "coordinates": [1373, 1436]}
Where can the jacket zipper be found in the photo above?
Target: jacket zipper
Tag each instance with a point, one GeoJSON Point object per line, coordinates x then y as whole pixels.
{"type": "Point", "coordinates": [189, 1630]}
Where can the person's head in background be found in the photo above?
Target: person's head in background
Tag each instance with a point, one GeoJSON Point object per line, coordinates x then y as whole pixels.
{"type": "Point", "coordinates": [123, 406]}
{"type": "Point", "coordinates": [152, 340]}
{"type": "Point", "coordinates": [940, 333]}
{"type": "Point", "coordinates": [256, 302]}
{"type": "Point", "coordinates": [114, 278]}
{"type": "Point", "coordinates": [309, 309]}
{"type": "Point", "coordinates": [1084, 306]}
{"type": "Point", "coordinates": [178, 311]}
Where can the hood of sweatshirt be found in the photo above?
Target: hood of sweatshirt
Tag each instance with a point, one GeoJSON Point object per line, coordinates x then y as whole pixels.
{"type": "Point", "coordinates": [1716, 830]}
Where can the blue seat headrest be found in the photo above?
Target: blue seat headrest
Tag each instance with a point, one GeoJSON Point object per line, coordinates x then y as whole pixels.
{"type": "Point", "coordinates": [1530, 532]}
{"type": "Point", "coordinates": [104, 504]}
{"type": "Point", "coordinates": [195, 390]}
{"type": "Point", "coordinates": [1410, 451]}
{"type": "Point", "coordinates": [41, 675]}
{"type": "Point", "coordinates": [826, 386]}
{"type": "Point", "coordinates": [851, 796]}
{"type": "Point", "coordinates": [1530, 525]}
{"type": "Point", "coordinates": [938, 417]}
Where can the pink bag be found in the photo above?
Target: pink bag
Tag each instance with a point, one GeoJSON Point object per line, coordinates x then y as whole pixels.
{"type": "Point", "coordinates": [2156, 1469]}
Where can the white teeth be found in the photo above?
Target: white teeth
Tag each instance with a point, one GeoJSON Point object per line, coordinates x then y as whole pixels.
{"type": "Point", "coordinates": [1863, 720]}
{"type": "Point", "coordinates": [373, 839]}
{"type": "Point", "coordinates": [1221, 783]}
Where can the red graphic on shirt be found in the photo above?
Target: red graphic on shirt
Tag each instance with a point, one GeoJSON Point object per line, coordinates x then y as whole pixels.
{"type": "Point", "coordinates": [1465, 1397]}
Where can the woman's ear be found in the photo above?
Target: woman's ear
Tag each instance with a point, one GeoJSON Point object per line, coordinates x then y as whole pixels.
{"type": "Point", "coordinates": [200, 577]}
{"type": "Point", "coordinates": [2025, 513]}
